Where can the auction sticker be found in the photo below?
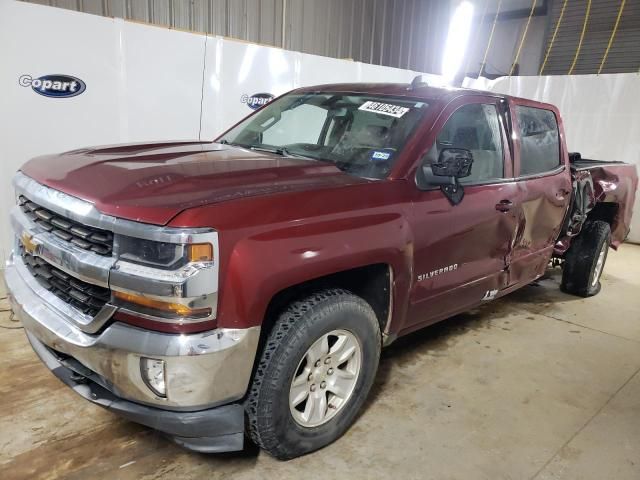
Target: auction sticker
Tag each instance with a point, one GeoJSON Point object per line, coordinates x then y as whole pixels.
{"type": "Point", "coordinates": [384, 108]}
{"type": "Point", "coordinates": [381, 155]}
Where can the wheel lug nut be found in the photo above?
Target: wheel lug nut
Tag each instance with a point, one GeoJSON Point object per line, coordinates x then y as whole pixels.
{"type": "Point", "coordinates": [310, 377]}
{"type": "Point", "coordinates": [323, 384]}
{"type": "Point", "coordinates": [313, 387]}
{"type": "Point", "coordinates": [330, 371]}
{"type": "Point", "coordinates": [318, 363]}
{"type": "Point", "coordinates": [327, 360]}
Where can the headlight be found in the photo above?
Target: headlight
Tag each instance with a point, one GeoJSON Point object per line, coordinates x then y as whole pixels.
{"type": "Point", "coordinates": [162, 255]}
{"type": "Point", "coordinates": [167, 281]}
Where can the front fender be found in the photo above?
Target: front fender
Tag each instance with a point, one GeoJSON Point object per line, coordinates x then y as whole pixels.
{"type": "Point", "coordinates": [265, 263]}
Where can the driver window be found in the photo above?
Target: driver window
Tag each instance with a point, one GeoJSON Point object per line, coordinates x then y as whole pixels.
{"type": "Point", "coordinates": [474, 127]}
{"type": "Point", "coordinates": [303, 123]}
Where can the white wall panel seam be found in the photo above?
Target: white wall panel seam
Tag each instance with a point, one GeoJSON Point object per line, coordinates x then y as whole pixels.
{"type": "Point", "coordinates": [204, 71]}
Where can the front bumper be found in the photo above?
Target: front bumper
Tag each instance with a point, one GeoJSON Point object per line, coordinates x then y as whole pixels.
{"type": "Point", "coordinates": [218, 429]}
{"type": "Point", "coordinates": [203, 370]}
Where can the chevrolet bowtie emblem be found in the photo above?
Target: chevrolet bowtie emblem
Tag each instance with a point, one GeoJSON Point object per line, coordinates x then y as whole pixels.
{"type": "Point", "coordinates": [29, 244]}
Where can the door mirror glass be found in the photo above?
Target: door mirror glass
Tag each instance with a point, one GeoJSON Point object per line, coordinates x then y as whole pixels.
{"type": "Point", "coordinates": [453, 162]}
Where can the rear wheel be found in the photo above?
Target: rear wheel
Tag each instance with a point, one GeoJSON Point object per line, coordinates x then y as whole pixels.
{"type": "Point", "coordinates": [314, 374]}
{"type": "Point", "coordinates": [585, 259]}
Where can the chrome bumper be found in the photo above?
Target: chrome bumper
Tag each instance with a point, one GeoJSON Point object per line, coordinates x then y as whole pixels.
{"type": "Point", "coordinates": [218, 429]}
{"type": "Point", "coordinates": [202, 370]}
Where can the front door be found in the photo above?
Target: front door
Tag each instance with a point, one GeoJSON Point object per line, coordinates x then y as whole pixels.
{"type": "Point", "coordinates": [460, 251]}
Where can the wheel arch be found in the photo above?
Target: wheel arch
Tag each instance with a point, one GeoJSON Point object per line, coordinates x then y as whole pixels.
{"type": "Point", "coordinates": [373, 283]}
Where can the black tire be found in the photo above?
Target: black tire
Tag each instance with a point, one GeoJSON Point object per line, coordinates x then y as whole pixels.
{"type": "Point", "coordinates": [271, 424]}
{"type": "Point", "coordinates": [579, 269]}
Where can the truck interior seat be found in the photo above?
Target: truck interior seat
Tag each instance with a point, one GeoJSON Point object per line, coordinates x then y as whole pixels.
{"type": "Point", "coordinates": [487, 163]}
{"type": "Point", "coordinates": [466, 137]}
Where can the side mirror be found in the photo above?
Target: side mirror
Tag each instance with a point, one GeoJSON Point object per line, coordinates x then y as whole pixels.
{"type": "Point", "coordinates": [453, 162]}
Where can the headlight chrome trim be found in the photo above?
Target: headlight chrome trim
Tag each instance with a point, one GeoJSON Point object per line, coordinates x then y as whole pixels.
{"type": "Point", "coordinates": [193, 284]}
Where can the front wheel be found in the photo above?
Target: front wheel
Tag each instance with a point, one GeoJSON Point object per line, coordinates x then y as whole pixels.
{"type": "Point", "coordinates": [314, 374]}
{"type": "Point", "coordinates": [585, 259]}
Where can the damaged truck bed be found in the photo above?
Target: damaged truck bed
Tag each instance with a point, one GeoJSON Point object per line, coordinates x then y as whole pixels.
{"type": "Point", "coordinates": [602, 190]}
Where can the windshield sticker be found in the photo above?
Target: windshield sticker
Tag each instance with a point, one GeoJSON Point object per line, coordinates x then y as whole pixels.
{"type": "Point", "coordinates": [380, 155]}
{"type": "Point", "coordinates": [384, 109]}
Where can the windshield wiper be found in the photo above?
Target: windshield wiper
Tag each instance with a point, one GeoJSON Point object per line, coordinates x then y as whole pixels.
{"type": "Point", "coordinates": [224, 141]}
{"type": "Point", "coordinates": [282, 151]}
{"type": "Point", "coordinates": [234, 144]}
{"type": "Point", "coordinates": [278, 151]}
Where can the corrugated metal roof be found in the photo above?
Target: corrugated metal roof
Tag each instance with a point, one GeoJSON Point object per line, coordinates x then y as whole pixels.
{"type": "Point", "coordinates": [624, 55]}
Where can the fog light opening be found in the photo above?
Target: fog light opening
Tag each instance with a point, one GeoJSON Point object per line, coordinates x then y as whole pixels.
{"type": "Point", "coordinates": [154, 375]}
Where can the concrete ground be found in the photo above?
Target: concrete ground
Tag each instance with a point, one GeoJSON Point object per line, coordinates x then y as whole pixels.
{"type": "Point", "coordinates": [538, 385]}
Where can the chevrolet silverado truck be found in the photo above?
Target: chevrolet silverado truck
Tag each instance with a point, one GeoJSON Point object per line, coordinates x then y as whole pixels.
{"type": "Point", "coordinates": [246, 286]}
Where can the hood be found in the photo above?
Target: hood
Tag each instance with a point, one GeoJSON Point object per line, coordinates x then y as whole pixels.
{"type": "Point", "coordinates": [152, 183]}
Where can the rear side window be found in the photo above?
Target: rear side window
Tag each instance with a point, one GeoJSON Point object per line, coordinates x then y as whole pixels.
{"type": "Point", "coordinates": [539, 140]}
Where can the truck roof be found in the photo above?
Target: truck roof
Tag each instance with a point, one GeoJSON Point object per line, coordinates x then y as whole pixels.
{"type": "Point", "coordinates": [404, 89]}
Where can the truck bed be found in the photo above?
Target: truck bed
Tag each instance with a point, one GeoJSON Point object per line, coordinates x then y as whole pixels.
{"type": "Point", "coordinates": [580, 163]}
{"type": "Point", "coordinates": [610, 196]}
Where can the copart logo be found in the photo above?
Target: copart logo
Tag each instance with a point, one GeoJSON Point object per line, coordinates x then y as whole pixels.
{"type": "Point", "coordinates": [256, 100]}
{"type": "Point", "coordinates": [55, 86]}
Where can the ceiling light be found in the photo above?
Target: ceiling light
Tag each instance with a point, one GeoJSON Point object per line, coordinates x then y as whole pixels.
{"type": "Point", "coordinates": [457, 40]}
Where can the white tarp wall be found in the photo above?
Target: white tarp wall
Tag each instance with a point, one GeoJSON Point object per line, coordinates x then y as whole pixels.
{"type": "Point", "coordinates": [142, 83]}
{"type": "Point", "coordinates": [601, 114]}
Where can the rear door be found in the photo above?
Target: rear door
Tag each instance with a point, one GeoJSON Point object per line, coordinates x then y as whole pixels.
{"type": "Point", "coordinates": [460, 250]}
{"type": "Point", "coordinates": [544, 187]}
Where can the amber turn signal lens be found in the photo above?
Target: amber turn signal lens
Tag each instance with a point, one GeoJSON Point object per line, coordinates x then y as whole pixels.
{"type": "Point", "coordinates": [200, 252]}
{"type": "Point", "coordinates": [167, 307]}
{"type": "Point", "coordinates": [167, 327]}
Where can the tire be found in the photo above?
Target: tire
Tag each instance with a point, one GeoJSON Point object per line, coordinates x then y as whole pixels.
{"type": "Point", "coordinates": [285, 356]}
{"type": "Point", "coordinates": [582, 270]}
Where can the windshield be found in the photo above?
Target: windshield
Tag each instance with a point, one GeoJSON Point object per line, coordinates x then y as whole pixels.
{"type": "Point", "coordinates": [361, 134]}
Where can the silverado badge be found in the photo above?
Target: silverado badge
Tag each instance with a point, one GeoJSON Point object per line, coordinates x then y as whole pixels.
{"type": "Point", "coordinates": [438, 271]}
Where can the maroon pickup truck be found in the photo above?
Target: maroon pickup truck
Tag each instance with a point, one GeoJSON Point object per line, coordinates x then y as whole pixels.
{"type": "Point", "coordinates": [246, 286]}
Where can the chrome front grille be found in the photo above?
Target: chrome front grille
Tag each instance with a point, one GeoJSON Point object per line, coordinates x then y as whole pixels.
{"type": "Point", "coordinates": [83, 236]}
{"type": "Point", "coordinates": [87, 298]}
